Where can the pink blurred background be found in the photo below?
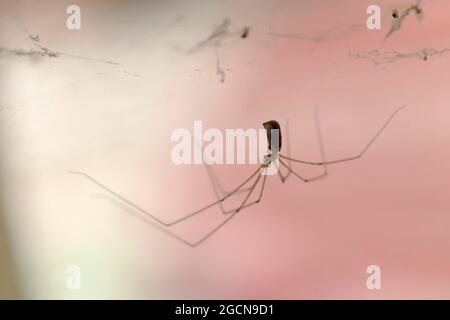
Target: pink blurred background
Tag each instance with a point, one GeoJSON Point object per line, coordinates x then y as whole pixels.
{"type": "Point", "coordinates": [303, 241]}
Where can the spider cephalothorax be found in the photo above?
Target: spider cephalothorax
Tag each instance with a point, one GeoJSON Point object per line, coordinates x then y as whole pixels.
{"type": "Point", "coordinates": [269, 126]}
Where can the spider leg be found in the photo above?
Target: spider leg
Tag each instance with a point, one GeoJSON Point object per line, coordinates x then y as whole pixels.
{"type": "Point", "coordinates": [164, 223]}
{"type": "Point", "coordinates": [282, 177]}
{"type": "Point", "coordinates": [288, 150]}
{"type": "Point", "coordinates": [251, 203]}
{"type": "Point", "coordinates": [248, 194]}
{"type": "Point", "coordinates": [219, 191]}
{"type": "Point", "coordinates": [218, 188]}
{"type": "Point", "coordinates": [216, 182]}
{"type": "Point", "coordinates": [144, 219]}
{"type": "Point", "coordinates": [359, 155]}
{"type": "Point", "coordinates": [219, 226]}
{"type": "Point", "coordinates": [317, 177]}
{"type": "Point", "coordinates": [322, 153]}
{"type": "Point", "coordinates": [214, 179]}
{"type": "Point", "coordinates": [161, 225]}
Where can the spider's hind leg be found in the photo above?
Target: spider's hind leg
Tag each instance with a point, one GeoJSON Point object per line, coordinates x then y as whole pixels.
{"type": "Point", "coordinates": [218, 188]}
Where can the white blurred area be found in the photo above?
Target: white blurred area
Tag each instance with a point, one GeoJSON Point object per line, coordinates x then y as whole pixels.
{"type": "Point", "coordinates": [114, 122]}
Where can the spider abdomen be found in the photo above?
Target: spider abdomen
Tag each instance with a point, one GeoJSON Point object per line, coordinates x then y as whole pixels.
{"type": "Point", "coordinates": [275, 126]}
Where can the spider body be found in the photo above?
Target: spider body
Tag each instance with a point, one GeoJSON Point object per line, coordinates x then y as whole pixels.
{"type": "Point", "coordinates": [273, 131]}
{"type": "Point", "coordinates": [275, 136]}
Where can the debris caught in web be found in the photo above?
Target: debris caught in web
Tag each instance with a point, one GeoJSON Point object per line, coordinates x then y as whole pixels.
{"type": "Point", "coordinates": [399, 18]}
{"type": "Point", "coordinates": [378, 57]}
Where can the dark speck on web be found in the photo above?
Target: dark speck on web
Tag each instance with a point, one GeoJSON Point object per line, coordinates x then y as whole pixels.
{"type": "Point", "coordinates": [245, 33]}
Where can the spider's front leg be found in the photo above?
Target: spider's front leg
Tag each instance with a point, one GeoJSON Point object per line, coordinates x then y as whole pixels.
{"type": "Point", "coordinates": [354, 157]}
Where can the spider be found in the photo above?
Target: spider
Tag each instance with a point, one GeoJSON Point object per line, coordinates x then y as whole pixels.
{"type": "Point", "coordinates": [395, 14]}
{"type": "Point", "coordinates": [273, 157]}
